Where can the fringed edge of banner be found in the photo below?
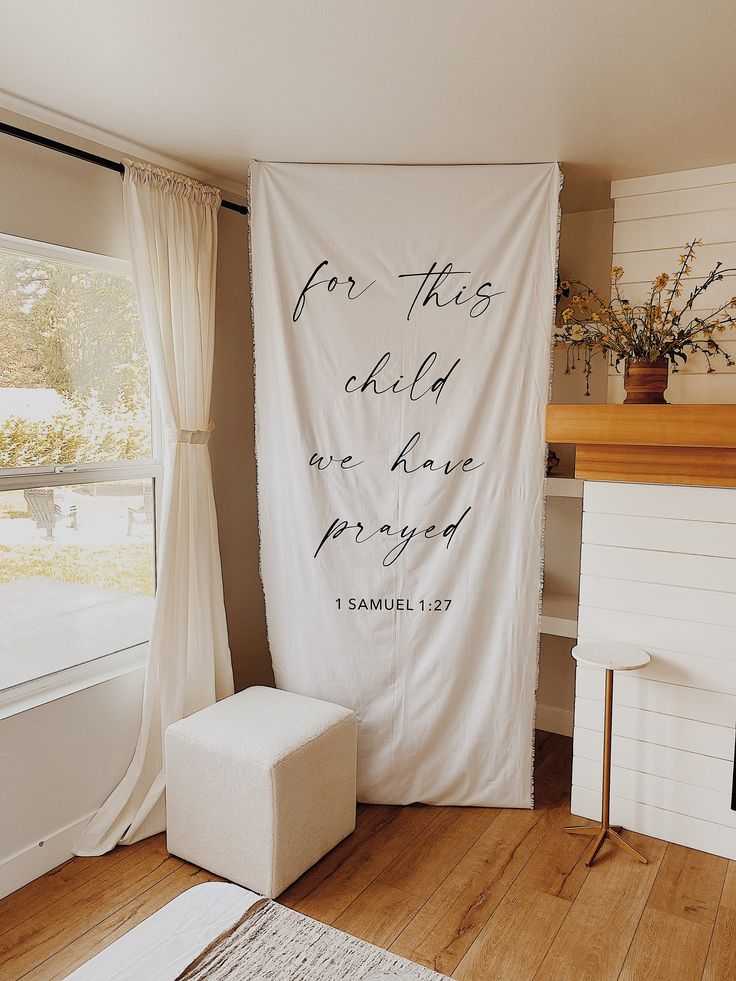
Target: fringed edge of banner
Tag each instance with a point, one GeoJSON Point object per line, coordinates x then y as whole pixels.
{"type": "Point", "coordinates": [545, 449]}
{"type": "Point", "coordinates": [256, 410]}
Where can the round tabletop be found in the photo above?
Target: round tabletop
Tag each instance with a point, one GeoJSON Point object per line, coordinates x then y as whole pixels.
{"type": "Point", "coordinates": [612, 657]}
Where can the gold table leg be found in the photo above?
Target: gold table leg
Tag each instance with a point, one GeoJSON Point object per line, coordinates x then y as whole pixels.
{"type": "Point", "coordinates": [604, 831]}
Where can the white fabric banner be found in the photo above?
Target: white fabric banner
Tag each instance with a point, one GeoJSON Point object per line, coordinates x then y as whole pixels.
{"type": "Point", "coordinates": [402, 347]}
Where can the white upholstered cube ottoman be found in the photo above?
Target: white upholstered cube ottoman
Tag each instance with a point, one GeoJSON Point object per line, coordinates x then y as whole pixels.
{"type": "Point", "coordinates": [260, 786]}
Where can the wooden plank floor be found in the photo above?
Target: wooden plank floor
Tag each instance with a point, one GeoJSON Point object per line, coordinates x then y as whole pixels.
{"type": "Point", "coordinates": [477, 894]}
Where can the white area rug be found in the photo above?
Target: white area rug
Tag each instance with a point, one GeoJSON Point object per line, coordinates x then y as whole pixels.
{"type": "Point", "coordinates": [273, 943]}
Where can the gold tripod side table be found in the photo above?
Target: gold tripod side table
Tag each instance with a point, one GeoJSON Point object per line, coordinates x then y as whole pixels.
{"type": "Point", "coordinates": [610, 658]}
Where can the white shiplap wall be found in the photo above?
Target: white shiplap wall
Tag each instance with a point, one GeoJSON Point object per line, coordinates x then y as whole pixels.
{"type": "Point", "coordinates": [658, 570]}
{"type": "Point", "coordinates": [653, 218]}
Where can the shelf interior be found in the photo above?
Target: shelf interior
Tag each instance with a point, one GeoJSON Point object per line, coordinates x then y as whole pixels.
{"type": "Point", "coordinates": [559, 614]}
{"type": "Point", "coordinates": [564, 487]}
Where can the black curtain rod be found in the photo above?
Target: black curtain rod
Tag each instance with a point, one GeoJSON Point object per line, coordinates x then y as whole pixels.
{"type": "Point", "coordinates": [73, 151]}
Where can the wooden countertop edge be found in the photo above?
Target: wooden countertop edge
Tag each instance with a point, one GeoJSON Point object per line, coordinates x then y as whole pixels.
{"type": "Point", "coordinates": [642, 425]}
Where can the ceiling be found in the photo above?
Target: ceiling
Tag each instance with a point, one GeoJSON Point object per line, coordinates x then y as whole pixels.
{"type": "Point", "coordinates": [611, 89]}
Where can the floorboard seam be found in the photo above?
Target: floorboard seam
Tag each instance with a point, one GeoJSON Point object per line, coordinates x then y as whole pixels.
{"type": "Point", "coordinates": [107, 916]}
{"type": "Point", "coordinates": [713, 926]}
{"type": "Point", "coordinates": [643, 909]}
{"type": "Point", "coordinates": [62, 895]}
{"type": "Point", "coordinates": [508, 889]}
{"type": "Point", "coordinates": [368, 884]}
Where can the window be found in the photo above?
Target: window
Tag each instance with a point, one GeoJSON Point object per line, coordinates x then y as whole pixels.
{"type": "Point", "coordinates": [79, 466]}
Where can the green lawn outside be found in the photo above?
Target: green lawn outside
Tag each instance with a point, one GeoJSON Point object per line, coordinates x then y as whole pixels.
{"type": "Point", "coordinates": [130, 570]}
{"type": "Point", "coordinates": [126, 565]}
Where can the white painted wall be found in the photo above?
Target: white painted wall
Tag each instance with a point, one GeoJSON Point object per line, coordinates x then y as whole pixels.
{"type": "Point", "coordinates": [658, 564]}
{"type": "Point", "coordinates": [658, 570]}
{"type": "Point", "coordinates": [58, 762]}
{"type": "Point", "coordinates": [653, 218]}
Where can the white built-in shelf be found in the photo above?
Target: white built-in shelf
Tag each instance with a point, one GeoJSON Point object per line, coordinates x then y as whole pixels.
{"type": "Point", "coordinates": [559, 615]}
{"type": "Point", "coordinates": [564, 487]}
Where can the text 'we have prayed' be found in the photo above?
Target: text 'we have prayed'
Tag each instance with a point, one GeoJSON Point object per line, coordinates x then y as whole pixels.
{"type": "Point", "coordinates": [435, 289]}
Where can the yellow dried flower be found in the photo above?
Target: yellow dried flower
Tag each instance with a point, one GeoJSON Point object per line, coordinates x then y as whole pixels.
{"type": "Point", "coordinates": [616, 327]}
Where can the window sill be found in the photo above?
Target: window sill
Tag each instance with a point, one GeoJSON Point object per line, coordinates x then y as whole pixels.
{"type": "Point", "coordinates": [31, 694]}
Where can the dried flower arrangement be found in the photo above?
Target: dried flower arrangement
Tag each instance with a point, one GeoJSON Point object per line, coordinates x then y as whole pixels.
{"type": "Point", "coordinates": [648, 336]}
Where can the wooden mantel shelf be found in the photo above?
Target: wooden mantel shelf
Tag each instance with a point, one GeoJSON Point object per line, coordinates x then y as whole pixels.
{"type": "Point", "coordinates": [650, 444]}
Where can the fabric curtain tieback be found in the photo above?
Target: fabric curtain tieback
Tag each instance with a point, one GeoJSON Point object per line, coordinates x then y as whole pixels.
{"type": "Point", "coordinates": [190, 435]}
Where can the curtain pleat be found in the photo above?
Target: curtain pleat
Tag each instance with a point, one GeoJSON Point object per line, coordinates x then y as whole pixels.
{"type": "Point", "coordinates": [171, 223]}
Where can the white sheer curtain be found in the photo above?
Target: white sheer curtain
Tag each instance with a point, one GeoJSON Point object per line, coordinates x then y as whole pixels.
{"type": "Point", "coordinates": [172, 230]}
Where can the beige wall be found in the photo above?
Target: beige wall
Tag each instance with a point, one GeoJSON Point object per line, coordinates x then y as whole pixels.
{"type": "Point", "coordinates": [233, 457]}
{"type": "Point", "coordinates": [586, 244]}
{"type": "Point", "coordinates": [585, 254]}
{"type": "Point", "coordinates": [53, 198]}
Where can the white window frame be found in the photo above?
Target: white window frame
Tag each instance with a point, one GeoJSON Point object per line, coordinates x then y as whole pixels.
{"type": "Point", "coordinates": [36, 691]}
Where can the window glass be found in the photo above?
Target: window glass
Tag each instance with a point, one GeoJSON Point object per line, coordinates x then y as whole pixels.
{"type": "Point", "coordinates": [77, 573]}
{"type": "Point", "coordinates": [74, 377]}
